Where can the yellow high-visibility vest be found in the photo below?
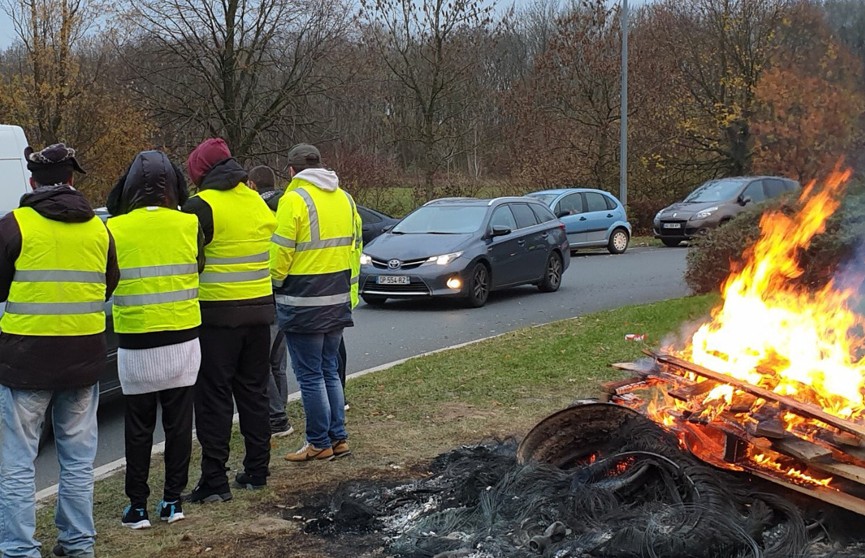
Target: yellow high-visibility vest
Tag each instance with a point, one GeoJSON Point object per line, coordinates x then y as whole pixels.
{"type": "Point", "coordinates": [236, 260]}
{"type": "Point", "coordinates": [59, 283]}
{"type": "Point", "coordinates": [157, 251]}
{"type": "Point", "coordinates": [312, 251]}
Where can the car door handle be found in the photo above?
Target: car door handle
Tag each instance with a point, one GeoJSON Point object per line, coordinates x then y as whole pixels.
{"type": "Point", "coordinates": [545, 235]}
{"type": "Point", "coordinates": [609, 215]}
{"type": "Point", "coordinates": [521, 241]}
{"type": "Point", "coordinates": [582, 218]}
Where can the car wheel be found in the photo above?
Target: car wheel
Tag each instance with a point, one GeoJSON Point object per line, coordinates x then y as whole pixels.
{"type": "Point", "coordinates": [671, 242]}
{"type": "Point", "coordinates": [374, 300]}
{"type": "Point", "coordinates": [618, 241]}
{"type": "Point", "coordinates": [479, 286]}
{"type": "Point", "coordinates": [552, 274]}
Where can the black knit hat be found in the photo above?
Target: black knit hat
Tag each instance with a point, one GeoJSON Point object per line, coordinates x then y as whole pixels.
{"type": "Point", "coordinates": [52, 165]}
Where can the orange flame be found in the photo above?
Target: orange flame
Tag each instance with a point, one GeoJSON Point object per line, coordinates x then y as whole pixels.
{"type": "Point", "coordinates": [792, 472]}
{"type": "Point", "coordinates": [773, 333]}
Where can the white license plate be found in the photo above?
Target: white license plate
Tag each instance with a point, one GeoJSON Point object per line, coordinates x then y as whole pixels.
{"type": "Point", "coordinates": [393, 280]}
{"type": "Point", "coordinates": [672, 225]}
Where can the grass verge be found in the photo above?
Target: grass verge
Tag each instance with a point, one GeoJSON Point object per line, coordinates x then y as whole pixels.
{"type": "Point", "coordinates": [400, 418]}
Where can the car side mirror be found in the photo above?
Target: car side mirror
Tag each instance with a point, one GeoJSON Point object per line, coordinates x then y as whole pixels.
{"type": "Point", "coordinates": [744, 200]}
{"type": "Point", "coordinates": [500, 230]}
{"type": "Point", "coordinates": [560, 214]}
{"type": "Point", "coordinates": [387, 228]}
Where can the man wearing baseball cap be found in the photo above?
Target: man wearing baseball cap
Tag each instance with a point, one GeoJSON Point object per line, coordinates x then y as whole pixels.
{"type": "Point", "coordinates": [58, 266]}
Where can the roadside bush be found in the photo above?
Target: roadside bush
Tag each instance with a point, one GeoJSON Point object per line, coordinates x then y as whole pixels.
{"type": "Point", "coordinates": [837, 248]}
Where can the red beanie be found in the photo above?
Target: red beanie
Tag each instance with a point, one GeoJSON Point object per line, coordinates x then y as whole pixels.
{"type": "Point", "coordinates": [204, 157]}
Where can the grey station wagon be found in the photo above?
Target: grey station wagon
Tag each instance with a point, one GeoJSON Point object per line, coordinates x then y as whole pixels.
{"type": "Point", "coordinates": [465, 248]}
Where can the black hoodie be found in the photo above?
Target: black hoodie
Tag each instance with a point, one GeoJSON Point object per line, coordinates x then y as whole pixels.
{"type": "Point", "coordinates": [62, 362]}
{"type": "Point", "coordinates": [226, 175]}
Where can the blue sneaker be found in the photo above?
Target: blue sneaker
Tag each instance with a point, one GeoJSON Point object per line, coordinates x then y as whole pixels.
{"type": "Point", "coordinates": [170, 511]}
{"type": "Point", "coordinates": [135, 518]}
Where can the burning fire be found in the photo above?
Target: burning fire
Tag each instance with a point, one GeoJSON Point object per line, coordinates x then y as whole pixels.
{"type": "Point", "coordinates": [792, 472]}
{"type": "Point", "coordinates": [781, 336]}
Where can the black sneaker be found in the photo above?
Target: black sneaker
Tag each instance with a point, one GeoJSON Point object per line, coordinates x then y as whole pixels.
{"type": "Point", "coordinates": [58, 550]}
{"type": "Point", "coordinates": [170, 511]}
{"type": "Point", "coordinates": [250, 482]}
{"type": "Point", "coordinates": [202, 494]}
{"type": "Point", "coordinates": [135, 517]}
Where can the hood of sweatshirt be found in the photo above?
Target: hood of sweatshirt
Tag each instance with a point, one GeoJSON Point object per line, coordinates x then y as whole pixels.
{"type": "Point", "coordinates": [225, 175]}
{"type": "Point", "coordinates": [59, 203]}
{"type": "Point", "coordinates": [323, 179]}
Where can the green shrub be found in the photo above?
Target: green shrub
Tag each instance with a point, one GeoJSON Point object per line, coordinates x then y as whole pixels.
{"type": "Point", "coordinates": [723, 249]}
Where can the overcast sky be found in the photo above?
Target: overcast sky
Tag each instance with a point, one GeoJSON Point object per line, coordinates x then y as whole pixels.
{"type": "Point", "coordinates": [7, 34]}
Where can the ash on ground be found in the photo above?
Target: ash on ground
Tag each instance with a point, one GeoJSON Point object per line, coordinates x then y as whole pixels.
{"type": "Point", "coordinates": [638, 496]}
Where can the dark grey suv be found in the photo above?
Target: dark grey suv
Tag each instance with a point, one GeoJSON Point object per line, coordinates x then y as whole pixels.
{"type": "Point", "coordinates": [714, 203]}
{"type": "Point", "coordinates": [465, 248]}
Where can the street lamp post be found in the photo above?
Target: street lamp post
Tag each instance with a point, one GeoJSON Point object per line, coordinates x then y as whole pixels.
{"type": "Point", "coordinates": [623, 133]}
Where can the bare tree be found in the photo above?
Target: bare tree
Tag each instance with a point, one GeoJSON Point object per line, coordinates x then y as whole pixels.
{"type": "Point", "coordinates": [237, 68]}
{"type": "Point", "coordinates": [430, 48]}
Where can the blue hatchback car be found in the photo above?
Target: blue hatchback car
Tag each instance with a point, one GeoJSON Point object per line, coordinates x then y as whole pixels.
{"type": "Point", "coordinates": [592, 218]}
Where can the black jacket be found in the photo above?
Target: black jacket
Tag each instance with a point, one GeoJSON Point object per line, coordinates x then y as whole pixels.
{"type": "Point", "coordinates": [226, 175]}
{"type": "Point", "coordinates": [30, 362]}
{"type": "Point", "coordinates": [152, 180]}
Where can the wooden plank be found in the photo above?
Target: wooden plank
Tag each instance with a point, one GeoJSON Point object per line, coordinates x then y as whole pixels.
{"type": "Point", "coordinates": [633, 367]}
{"type": "Point", "coordinates": [843, 470]}
{"type": "Point", "coordinates": [770, 428]}
{"type": "Point", "coordinates": [803, 450]}
{"type": "Point", "coordinates": [685, 393]}
{"type": "Point", "coordinates": [828, 495]}
{"type": "Point", "coordinates": [804, 409]}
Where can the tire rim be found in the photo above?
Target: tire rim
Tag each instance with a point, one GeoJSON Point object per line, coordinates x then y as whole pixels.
{"type": "Point", "coordinates": [554, 271]}
{"type": "Point", "coordinates": [620, 241]}
{"type": "Point", "coordinates": [479, 289]}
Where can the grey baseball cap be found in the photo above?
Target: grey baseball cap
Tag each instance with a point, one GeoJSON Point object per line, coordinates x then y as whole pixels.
{"type": "Point", "coordinates": [304, 156]}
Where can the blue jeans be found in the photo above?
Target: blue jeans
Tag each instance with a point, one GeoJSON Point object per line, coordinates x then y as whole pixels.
{"type": "Point", "coordinates": [314, 358]}
{"type": "Point", "coordinates": [22, 414]}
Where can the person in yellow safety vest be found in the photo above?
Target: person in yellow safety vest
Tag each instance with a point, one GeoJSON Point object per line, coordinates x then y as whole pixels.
{"type": "Point", "coordinates": [58, 266]}
{"type": "Point", "coordinates": [237, 309]}
{"type": "Point", "coordinates": [311, 268]}
{"type": "Point", "coordinates": [156, 318]}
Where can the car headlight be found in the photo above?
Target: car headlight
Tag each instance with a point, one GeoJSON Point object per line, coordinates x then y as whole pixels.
{"type": "Point", "coordinates": [658, 215]}
{"type": "Point", "coordinates": [445, 259]}
{"type": "Point", "coordinates": [365, 260]}
{"type": "Point", "coordinates": [704, 213]}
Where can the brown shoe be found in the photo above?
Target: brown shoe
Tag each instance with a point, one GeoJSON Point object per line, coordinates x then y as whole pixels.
{"type": "Point", "coordinates": [341, 449]}
{"type": "Point", "coordinates": [310, 453]}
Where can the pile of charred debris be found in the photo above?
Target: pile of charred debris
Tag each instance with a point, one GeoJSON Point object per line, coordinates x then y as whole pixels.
{"type": "Point", "coordinates": [618, 486]}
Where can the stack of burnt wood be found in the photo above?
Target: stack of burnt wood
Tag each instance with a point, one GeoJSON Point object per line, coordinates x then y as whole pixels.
{"type": "Point", "coordinates": [776, 437]}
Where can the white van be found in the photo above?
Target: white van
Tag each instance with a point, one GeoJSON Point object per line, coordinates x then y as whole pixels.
{"type": "Point", "coordinates": [14, 176]}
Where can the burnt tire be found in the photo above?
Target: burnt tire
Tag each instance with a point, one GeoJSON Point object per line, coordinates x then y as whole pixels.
{"type": "Point", "coordinates": [672, 243]}
{"type": "Point", "coordinates": [552, 279]}
{"type": "Point", "coordinates": [374, 300]}
{"type": "Point", "coordinates": [618, 241]}
{"type": "Point", "coordinates": [479, 286]}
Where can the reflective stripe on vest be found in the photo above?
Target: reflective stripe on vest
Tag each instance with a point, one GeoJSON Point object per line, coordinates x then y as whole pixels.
{"type": "Point", "coordinates": [313, 300]}
{"type": "Point", "coordinates": [157, 249]}
{"type": "Point", "coordinates": [236, 259]}
{"type": "Point", "coordinates": [59, 284]}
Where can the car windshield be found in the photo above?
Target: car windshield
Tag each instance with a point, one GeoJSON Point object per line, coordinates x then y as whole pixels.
{"type": "Point", "coordinates": [545, 198]}
{"type": "Point", "coordinates": [442, 219]}
{"type": "Point", "coordinates": [715, 190]}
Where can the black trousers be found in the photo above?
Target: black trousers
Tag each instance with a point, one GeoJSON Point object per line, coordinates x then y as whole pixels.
{"type": "Point", "coordinates": [139, 425]}
{"type": "Point", "coordinates": [235, 362]}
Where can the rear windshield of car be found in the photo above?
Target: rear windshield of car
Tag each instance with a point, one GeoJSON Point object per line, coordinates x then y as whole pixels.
{"type": "Point", "coordinates": [715, 190]}
{"type": "Point", "coordinates": [442, 219]}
